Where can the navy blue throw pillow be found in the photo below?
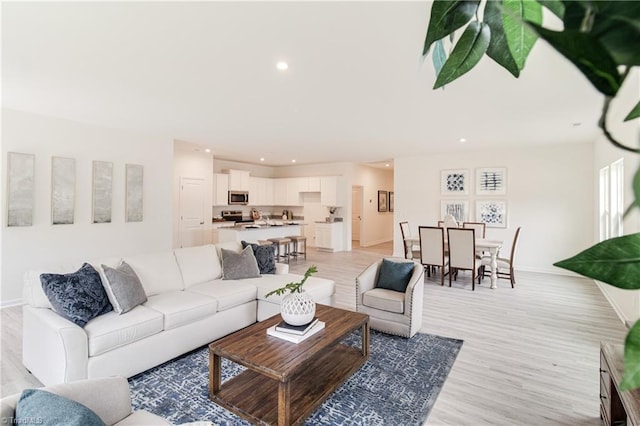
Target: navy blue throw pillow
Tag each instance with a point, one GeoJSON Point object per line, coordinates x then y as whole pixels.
{"type": "Point", "coordinates": [78, 296]}
{"type": "Point", "coordinates": [394, 275]}
{"type": "Point", "coordinates": [265, 256]}
{"type": "Point", "coordinates": [45, 408]}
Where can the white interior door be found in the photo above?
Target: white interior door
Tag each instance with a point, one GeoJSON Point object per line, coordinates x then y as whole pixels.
{"type": "Point", "coordinates": [191, 212]}
{"type": "Point", "coordinates": [356, 212]}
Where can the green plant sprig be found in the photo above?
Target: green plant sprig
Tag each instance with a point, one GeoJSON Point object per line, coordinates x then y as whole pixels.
{"type": "Point", "coordinates": [294, 287]}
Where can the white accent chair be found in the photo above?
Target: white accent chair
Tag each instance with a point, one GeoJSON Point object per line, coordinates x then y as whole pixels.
{"type": "Point", "coordinates": [462, 253]}
{"type": "Point", "coordinates": [503, 263]}
{"type": "Point", "coordinates": [391, 311]}
{"type": "Point", "coordinates": [432, 250]}
{"type": "Point", "coordinates": [411, 250]}
{"type": "Point", "coordinates": [109, 398]}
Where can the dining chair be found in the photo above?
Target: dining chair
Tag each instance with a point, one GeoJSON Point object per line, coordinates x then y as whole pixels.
{"type": "Point", "coordinates": [462, 253]}
{"type": "Point", "coordinates": [480, 228]}
{"type": "Point", "coordinates": [411, 251]}
{"type": "Point", "coordinates": [503, 263]}
{"type": "Point", "coordinates": [441, 224]}
{"type": "Point", "coordinates": [432, 253]}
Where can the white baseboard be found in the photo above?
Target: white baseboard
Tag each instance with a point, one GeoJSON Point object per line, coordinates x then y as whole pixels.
{"type": "Point", "coordinates": [10, 303]}
{"type": "Point", "coordinates": [618, 310]}
{"type": "Point", "coordinates": [375, 242]}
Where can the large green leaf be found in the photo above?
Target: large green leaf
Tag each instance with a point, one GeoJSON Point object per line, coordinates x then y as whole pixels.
{"type": "Point", "coordinates": [617, 26]}
{"type": "Point", "coordinates": [439, 56]}
{"type": "Point", "coordinates": [588, 54]}
{"type": "Point", "coordinates": [520, 38]}
{"type": "Point", "coordinates": [446, 17]}
{"type": "Point", "coordinates": [466, 54]}
{"type": "Point", "coordinates": [634, 113]}
{"type": "Point", "coordinates": [615, 261]}
{"type": "Point", "coordinates": [631, 371]}
{"type": "Point", "coordinates": [575, 13]}
{"type": "Point", "coordinates": [555, 6]}
{"type": "Point", "coordinates": [498, 49]}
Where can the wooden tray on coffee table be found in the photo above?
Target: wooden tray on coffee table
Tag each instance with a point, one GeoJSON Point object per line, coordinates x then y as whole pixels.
{"type": "Point", "coordinates": [284, 382]}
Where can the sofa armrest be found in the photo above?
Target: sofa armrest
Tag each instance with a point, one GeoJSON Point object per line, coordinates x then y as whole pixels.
{"type": "Point", "coordinates": [108, 397]}
{"type": "Point", "coordinates": [366, 281]}
{"type": "Point", "coordinates": [282, 268]}
{"type": "Point", "coordinates": [54, 349]}
{"type": "Point", "coordinates": [414, 298]}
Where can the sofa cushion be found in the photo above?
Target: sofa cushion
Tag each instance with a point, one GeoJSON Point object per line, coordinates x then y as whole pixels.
{"type": "Point", "coordinates": [182, 307]}
{"type": "Point", "coordinates": [384, 299]}
{"type": "Point", "coordinates": [237, 266]}
{"type": "Point", "coordinates": [394, 275]}
{"type": "Point", "coordinates": [228, 293]}
{"type": "Point", "coordinates": [198, 264]}
{"type": "Point", "coordinates": [42, 407]}
{"type": "Point", "coordinates": [78, 296]}
{"type": "Point", "coordinates": [158, 272]}
{"type": "Point", "coordinates": [318, 288]}
{"type": "Point", "coordinates": [112, 331]}
{"type": "Point", "coordinates": [265, 257]}
{"type": "Point", "coordinates": [123, 287]}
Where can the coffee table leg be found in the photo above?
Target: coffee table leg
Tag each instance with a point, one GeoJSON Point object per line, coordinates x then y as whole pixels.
{"type": "Point", "coordinates": [365, 339]}
{"type": "Point", "coordinates": [214, 374]}
{"type": "Point", "coordinates": [284, 403]}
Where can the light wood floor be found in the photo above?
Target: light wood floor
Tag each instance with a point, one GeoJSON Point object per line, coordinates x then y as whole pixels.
{"type": "Point", "coordinates": [530, 354]}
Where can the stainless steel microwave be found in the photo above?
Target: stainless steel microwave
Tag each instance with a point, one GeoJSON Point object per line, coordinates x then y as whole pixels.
{"type": "Point", "coordinates": [238, 198]}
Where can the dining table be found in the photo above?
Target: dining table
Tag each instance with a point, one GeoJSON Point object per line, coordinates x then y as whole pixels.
{"type": "Point", "coordinates": [482, 244]}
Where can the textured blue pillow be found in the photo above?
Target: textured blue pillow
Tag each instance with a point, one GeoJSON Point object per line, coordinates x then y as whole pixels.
{"type": "Point", "coordinates": [48, 409]}
{"type": "Point", "coordinates": [78, 296]}
{"type": "Point", "coordinates": [265, 256]}
{"type": "Point", "coordinates": [394, 275]}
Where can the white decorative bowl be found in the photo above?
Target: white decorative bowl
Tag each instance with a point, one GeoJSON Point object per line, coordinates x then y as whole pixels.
{"type": "Point", "coordinates": [297, 308]}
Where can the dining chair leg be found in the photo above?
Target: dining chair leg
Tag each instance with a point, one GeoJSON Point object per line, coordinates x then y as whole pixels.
{"type": "Point", "coordinates": [512, 277]}
{"type": "Point", "coordinates": [473, 280]}
{"type": "Point", "coordinates": [449, 277]}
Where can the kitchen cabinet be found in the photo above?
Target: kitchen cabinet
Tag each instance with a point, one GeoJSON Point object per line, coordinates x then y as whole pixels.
{"type": "Point", "coordinates": [261, 191]}
{"type": "Point", "coordinates": [286, 192]}
{"type": "Point", "coordinates": [309, 184]}
{"type": "Point", "coordinates": [331, 191]}
{"type": "Point", "coordinates": [239, 180]}
{"type": "Point", "coordinates": [220, 189]}
{"type": "Point", "coordinates": [329, 236]}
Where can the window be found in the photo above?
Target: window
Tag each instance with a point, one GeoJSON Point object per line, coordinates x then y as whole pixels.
{"type": "Point", "coordinates": [611, 200]}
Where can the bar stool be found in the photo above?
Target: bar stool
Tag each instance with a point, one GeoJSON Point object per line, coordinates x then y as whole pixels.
{"type": "Point", "coordinates": [298, 241]}
{"type": "Point", "coordinates": [264, 242]}
{"type": "Point", "coordinates": [284, 253]}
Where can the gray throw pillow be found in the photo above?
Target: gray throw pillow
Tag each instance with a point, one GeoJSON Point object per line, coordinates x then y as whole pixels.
{"type": "Point", "coordinates": [265, 256]}
{"type": "Point", "coordinates": [123, 287]}
{"type": "Point", "coordinates": [78, 296]}
{"type": "Point", "coordinates": [45, 408]}
{"type": "Point", "coordinates": [237, 266]}
{"type": "Point", "coordinates": [394, 275]}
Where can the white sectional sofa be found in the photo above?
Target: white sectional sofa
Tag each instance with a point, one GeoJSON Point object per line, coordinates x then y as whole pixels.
{"type": "Point", "coordinates": [189, 305]}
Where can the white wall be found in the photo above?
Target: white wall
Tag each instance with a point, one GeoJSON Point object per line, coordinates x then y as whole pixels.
{"type": "Point", "coordinates": [190, 161]}
{"type": "Point", "coordinates": [625, 302]}
{"type": "Point", "coordinates": [549, 195]}
{"type": "Point", "coordinates": [46, 245]}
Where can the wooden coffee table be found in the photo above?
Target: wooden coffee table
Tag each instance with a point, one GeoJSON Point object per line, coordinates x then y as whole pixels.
{"type": "Point", "coordinates": [284, 382]}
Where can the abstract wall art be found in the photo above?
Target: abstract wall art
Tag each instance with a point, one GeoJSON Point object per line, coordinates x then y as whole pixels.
{"type": "Point", "coordinates": [492, 212]}
{"type": "Point", "coordinates": [491, 181]}
{"type": "Point", "coordinates": [382, 201]}
{"type": "Point", "coordinates": [102, 191]}
{"type": "Point", "coordinates": [391, 201]}
{"type": "Point", "coordinates": [63, 190]}
{"type": "Point", "coordinates": [20, 188]}
{"type": "Point", "coordinates": [459, 209]}
{"type": "Point", "coordinates": [133, 202]}
{"type": "Point", "coordinates": [454, 182]}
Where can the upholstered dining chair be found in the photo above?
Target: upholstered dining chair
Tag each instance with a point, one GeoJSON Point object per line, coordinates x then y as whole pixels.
{"type": "Point", "coordinates": [462, 253]}
{"type": "Point", "coordinates": [432, 250]}
{"type": "Point", "coordinates": [411, 250]}
{"type": "Point", "coordinates": [480, 228]}
{"type": "Point", "coordinates": [503, 263]}
{"type": "Point", "coordinates": [391, 311]}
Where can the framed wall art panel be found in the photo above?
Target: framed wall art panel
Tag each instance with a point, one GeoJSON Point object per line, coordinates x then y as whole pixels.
{"type": "Point", "coordinates": [454, 182]}
{"type": "Point", "coordinates": [382, 201]}
{"type": "Point", "coordinates": [391, 202]}
{"type": "Point", "coordinates": [459, 209]}
{"type": "Point", "coordinates": [63, 190]}
{"type": "Point", "coordinates": [133, 202]}
{"type": "Point", "coordinates": [492, 212]}
{"type": "Point", "coordinates": [20, 188]}
{"type": "Point", "coordinates": [102, 191]}
{"type": "Point", "coordinates": [491, 181]}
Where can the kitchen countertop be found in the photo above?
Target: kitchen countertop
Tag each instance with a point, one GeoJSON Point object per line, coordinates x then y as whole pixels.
{"type": "Point", "coordinates": [249, 227]}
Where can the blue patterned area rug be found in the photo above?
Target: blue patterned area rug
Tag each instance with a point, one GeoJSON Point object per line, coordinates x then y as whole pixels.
{"type": "Point", "coordinates": [398, 385]}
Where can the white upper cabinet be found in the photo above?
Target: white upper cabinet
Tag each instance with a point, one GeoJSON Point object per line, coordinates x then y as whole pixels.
{"type": "Point", "coordinates": [260, 191]}
{"type": "Point", "coordinates": [239, 180]}
{"type": "Point", "coordinates": [309, 184]}
{"type": "Point", "coordinates": [220, 189]}
{"type": "Point", "coordinates": [331, 191]}
{"type": "Point", "coordinates": [286, 192]}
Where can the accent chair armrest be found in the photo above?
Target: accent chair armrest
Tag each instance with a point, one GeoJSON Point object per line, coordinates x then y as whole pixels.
{"type": "Point", "coordinates": [366, 280]}
{"type": "Point", "coordinates": [414, 297]}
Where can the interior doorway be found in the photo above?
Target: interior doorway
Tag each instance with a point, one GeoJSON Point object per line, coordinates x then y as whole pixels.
{"type": "Point", "coordinates": [356, 215]}
{"type": "Point", "coordinates": [191, 212]}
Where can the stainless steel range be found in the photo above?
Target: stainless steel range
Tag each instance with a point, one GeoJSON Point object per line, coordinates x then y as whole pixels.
{"type": "Point", "coordinates": [235, 216]}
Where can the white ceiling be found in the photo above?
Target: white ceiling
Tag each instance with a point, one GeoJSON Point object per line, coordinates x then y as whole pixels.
{"type": "Point", "coordinates": [204, 72]}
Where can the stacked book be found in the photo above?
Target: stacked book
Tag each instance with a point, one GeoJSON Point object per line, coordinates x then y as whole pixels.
{"type": "Point", "coordinates": [295, 333]}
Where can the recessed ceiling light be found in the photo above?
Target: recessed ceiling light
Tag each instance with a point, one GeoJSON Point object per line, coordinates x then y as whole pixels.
{"type": "Point", "coordinates": [293, 161]}
{"type": "Point", "coordinates": [462, 140]}
{"type": "Point", "coordinates": [261, 158]}
{"type": "Point", "coordinates": [282, 65]}
{"type": "Point", "coordinates": [207, 150]}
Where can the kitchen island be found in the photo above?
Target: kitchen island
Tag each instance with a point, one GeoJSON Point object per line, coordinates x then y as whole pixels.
{"type": "Point", "coordinates": [253, 233]}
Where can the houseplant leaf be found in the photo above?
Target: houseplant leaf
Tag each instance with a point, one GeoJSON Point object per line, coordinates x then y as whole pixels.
{"type": "Point", "coordinates": [588, 55]}
{"type": "Point", "coordinates": [439, 56]}
{"type": "Point", "coordinates": [555, 6]}
{"type": "Point", "coordinates": [617, 26]}
{"type": "Point", "coordinates": [520, 38]}
{"type": "Point", "coordinates": [631, 371]}
{"type": "Point", "coordinates": [634, 113]}
{"type": "Point", "coordinates": [498, 49]}
{"type": "Point", "coordinates": [615, 261]}
{"type": "Point", "coordinates": [446, 17]}
{"type": "Point", "coordinates": [466, 54]}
